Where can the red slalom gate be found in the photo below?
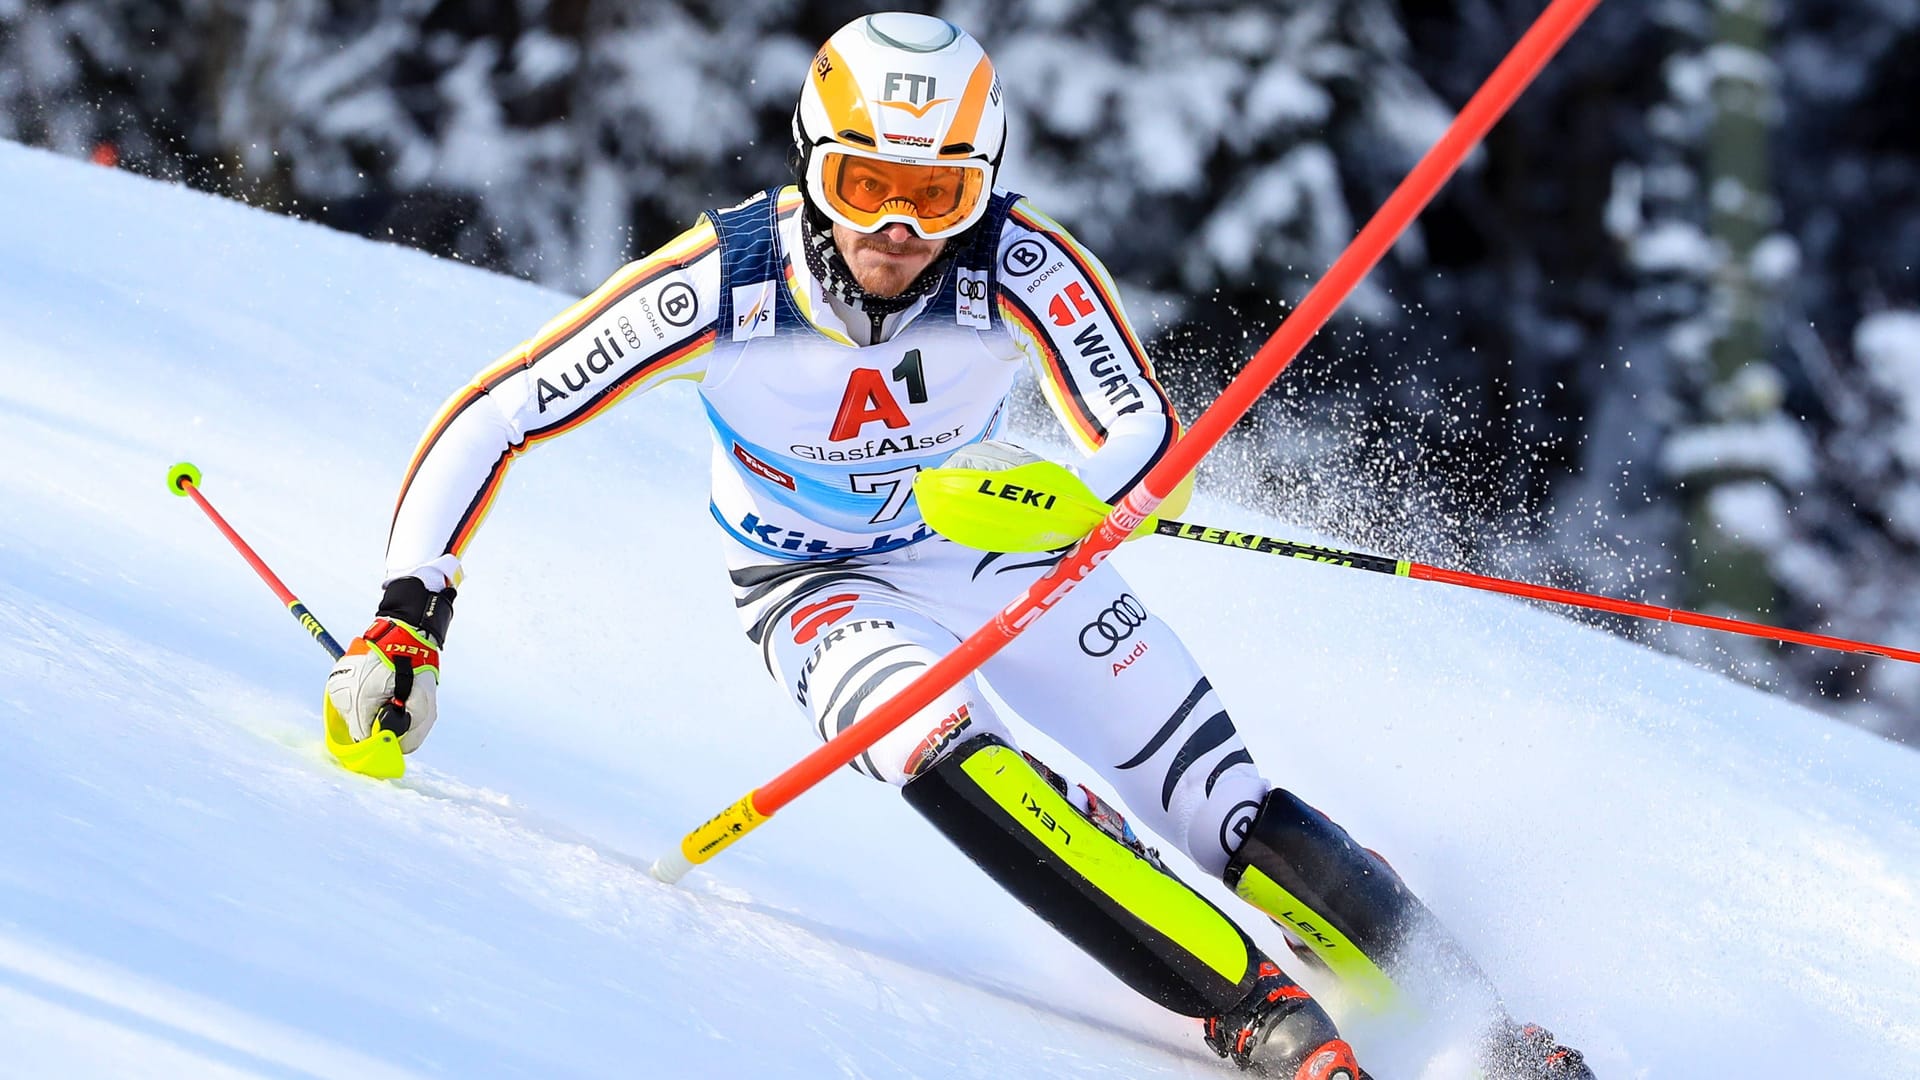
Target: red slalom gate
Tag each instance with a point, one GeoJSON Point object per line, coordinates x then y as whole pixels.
{"type": "Point", "coordinates": [1531, 53]}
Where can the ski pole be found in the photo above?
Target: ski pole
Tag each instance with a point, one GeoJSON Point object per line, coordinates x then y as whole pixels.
{"type": "Point", "coordinates": [1407, 568]}
{"type": "Point", "coordinates": [184, 480]}
{"type": "Point", "coordinates": [1042, 506]}
{"type": "Point", "coordinates": [1531, 53]}
{"type": "Point", "coordinates": [379, 754]}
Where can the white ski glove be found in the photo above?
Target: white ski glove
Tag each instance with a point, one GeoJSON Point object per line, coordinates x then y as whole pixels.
{"type": "Point", "coordinates": [991, 455]}
{"type": "Point", "coordinates": [391, 672]}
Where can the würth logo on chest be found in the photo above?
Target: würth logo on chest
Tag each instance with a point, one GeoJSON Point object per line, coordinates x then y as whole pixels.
{"type": "Point", "coordinates": [870, 399]}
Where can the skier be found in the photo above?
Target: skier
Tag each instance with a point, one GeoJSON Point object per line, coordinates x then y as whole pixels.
{"type": "Point", "coordinates": [846, 332]}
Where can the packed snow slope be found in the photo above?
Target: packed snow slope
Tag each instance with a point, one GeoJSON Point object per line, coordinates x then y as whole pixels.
{"type": "Point", "coordinates": [1684, 877]}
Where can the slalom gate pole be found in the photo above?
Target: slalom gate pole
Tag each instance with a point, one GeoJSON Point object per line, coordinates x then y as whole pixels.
{"type": "Point", "coordinates": [184, 480]}
{"type": "Point", "coordinates": [1380, 564]}
{"type": "Point", "coordinates": [1541, 41]}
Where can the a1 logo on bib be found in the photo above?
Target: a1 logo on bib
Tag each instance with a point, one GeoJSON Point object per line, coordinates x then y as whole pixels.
{"type": "Point", "coordinates": [753, 310]}
{"type": "Point", "coordinates": [970, 302]}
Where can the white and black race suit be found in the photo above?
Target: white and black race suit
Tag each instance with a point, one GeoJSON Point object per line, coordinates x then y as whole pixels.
{"type": "Point", "coordinates": [819, 425]}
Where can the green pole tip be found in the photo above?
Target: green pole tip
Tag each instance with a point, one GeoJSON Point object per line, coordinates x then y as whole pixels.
{"type": "Point", "coordinates": [180, 476]}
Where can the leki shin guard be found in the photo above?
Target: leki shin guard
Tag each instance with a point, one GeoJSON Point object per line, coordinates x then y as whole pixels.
{"type": "Point", "coordinates": [1352, 911]}
{"type": "Point", "coordinates": [1139, 921]}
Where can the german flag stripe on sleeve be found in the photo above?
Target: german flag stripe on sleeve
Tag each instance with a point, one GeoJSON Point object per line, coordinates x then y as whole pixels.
{"type": "Point", "coordinates": [1167, 440]}
{"type": "Point", "coordinates": [476, 512]}
{"type": "Point", "coordinates": [1103, 287]}
{"type": "Point", "coordinates": [1058, 384]}
{"type": "Point", "coordinates": [682, 252]}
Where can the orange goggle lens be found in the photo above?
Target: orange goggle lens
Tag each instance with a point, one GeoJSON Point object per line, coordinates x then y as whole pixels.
{"type": "Point", "coordinates": [866, 191]}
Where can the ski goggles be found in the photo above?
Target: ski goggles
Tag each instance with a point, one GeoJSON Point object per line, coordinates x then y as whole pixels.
{"type": "Point", "coordinates": [865, 191]}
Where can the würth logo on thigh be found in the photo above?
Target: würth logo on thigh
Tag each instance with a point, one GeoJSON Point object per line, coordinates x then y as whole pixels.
{"type": "Point", "coordinates": [1113, 626]}
{"type": "Point", "coordinates": [808, 621]}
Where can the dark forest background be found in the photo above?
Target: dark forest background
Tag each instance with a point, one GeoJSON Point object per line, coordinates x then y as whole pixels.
{"type": "Point", "coordinates": [1660, 339]}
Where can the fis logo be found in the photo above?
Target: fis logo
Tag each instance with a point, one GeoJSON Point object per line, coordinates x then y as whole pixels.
{"type": "Point", "coordinates": [753, 310]}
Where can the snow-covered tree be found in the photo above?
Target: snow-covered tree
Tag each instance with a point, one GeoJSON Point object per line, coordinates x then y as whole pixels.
{"type": "Point", "coordinates": [1654, 339]}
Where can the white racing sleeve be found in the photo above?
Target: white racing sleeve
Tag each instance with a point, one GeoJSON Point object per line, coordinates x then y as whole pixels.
{"type": "Point", "coordinates": [1064, 313]}
{"type": "Point", "coordinates": [651, 322]}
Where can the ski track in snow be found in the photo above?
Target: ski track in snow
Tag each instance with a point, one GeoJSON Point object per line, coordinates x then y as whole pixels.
{"type": "Point", "coordinates": [1681, 876]}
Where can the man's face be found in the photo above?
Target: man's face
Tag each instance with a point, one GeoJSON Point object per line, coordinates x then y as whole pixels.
{"type": "Point", "coordinates": [884, 263]}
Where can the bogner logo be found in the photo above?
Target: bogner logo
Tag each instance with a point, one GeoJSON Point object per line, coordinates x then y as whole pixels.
{"type": "Point", "coordinates": [970, 303]}
{"type": "Point", "coordinates": [753, 310]}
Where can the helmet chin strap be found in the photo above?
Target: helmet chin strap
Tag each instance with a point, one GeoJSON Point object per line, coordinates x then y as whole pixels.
{"type": "Point", "coordinates": [830, 269]}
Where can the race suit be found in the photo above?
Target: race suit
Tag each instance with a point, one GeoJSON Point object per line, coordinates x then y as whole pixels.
{"type": "Point", "coordinates": [819, 426]}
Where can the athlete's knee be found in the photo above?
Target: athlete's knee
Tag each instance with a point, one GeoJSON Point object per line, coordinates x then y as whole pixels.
{"type": "Point", "coordinates": [1193, 780]}
{"type": "Point", "coordinates": [925, 738]}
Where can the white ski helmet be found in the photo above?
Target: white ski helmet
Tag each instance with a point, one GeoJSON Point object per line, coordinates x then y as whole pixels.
{"type": "Point", "coordinates": [900, 120]}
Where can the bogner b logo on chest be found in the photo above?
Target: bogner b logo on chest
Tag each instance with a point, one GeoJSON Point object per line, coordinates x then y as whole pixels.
{"type": "Point", "coordinates": [869, 399]}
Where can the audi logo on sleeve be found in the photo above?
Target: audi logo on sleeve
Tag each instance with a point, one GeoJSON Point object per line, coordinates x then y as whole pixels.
{"type": "Point", "coordinates": [1113, 626]}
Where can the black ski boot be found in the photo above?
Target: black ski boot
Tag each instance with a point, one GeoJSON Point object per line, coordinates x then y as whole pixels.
{"type": "Point", "coordinates": [1518, 1051]}
{"type": "Point", "coordinates": [1278, 1030]}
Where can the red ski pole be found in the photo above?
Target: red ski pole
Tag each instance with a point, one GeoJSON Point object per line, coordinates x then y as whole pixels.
{"type": "Point", "coordinates": [1380, 564]}
{"type": "Point", "coordinates": [184, 480]}
{"type": "Point", "coordinates": [1488, 104]}
{"type": "Point", "coordinates": [377, 755]}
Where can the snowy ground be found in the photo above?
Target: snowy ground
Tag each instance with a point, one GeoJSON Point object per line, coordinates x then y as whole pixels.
{"type": "Point", "coordinates": [1684, 877]}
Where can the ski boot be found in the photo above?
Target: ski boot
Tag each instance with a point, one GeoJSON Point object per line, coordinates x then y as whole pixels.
{"type": "Point", "coordinates": [1516, 1051]}
{"type": "Point", "coordinates": [1278, 1030]}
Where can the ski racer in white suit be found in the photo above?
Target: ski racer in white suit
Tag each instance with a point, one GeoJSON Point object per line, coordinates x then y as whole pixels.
{"type": "Point", "coordinates": [845, 333]}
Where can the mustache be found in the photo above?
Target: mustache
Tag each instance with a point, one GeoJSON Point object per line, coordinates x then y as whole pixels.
{"type": "Point", "coordinates": [911, 244]}
{"type": "Point", "coordinates": [908, 247]}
